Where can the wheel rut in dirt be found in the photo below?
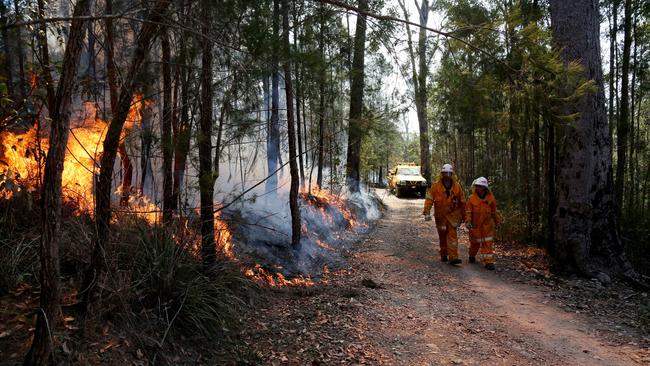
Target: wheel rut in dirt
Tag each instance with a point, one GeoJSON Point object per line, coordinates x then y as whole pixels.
{"type": "Point", "coordinates": [434, 313]}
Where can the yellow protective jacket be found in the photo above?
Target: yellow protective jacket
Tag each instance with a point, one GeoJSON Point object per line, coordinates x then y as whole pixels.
{"type": "Point", "coordinates": [447, 204]}
{"type": "Point", "coordinates": [482, 214]}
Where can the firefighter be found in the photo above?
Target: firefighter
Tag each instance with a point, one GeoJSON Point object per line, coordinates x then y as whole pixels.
{"type": "Point", "coordinates": [481, 218]}
{"type": "Point", "coordinates": [448, 200]}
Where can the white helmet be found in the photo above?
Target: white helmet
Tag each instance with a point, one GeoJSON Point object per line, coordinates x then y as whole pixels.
{"type": "Point", "coordinates": [447, 168]}
{"type": "Point", "coordinates": [481, 181]}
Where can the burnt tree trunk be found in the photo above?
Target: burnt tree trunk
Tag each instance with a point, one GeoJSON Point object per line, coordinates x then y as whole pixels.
{"type": "Point", "coordinates": [293, 164]}
{"type": "Point", "coordinates": [144, 41]}
{"type": "Point", "coordinates": [166, 130]}
{"type": "Point", "coordinates": [206, 178]}
{"type": "Point", "coordinates": [355, 127]}
{"type": "Point", "coordinates": [48, 315]}
{"type": "Point", "coordinates": [585, 222]}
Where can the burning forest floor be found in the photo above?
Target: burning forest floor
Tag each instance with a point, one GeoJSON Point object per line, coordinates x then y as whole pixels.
{"type": "Point", "coordinates": [395, 303]}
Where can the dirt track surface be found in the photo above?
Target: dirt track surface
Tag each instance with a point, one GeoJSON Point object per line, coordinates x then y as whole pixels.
{"type": "Point", "coordinates": [397, 304]}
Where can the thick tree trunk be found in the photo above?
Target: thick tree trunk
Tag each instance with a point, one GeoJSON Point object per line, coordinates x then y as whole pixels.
{"type": "Point", "coordinates": [293, 164]}
{"type": "Point", "coordinates": [48, 315]}
{"type": "Point", "coordinates": [206, 178]}
{"type": "Point", "coordinates": [355, 128]}
{"type": "Point", "coordinates": [623, 129]}
{"type": "Point", "coordinates": [585, 219]}
{"type": "Point", "coordinates": [166, 130]}
{"type": "Point", "coordinates": [273, 142]}
{"type": "Point", "coordinates": [144, 41]}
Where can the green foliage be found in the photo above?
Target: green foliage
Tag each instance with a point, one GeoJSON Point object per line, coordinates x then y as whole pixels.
{"type": "Point", "coordinates": [172, 283]}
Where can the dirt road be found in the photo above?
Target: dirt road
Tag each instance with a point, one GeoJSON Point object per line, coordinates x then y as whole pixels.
{"type": "Point", "coordinates": [399, 305]}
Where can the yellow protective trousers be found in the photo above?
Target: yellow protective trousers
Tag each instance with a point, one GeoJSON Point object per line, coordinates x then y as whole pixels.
{"type": "Point", "coordinates": [485, 244]}
{"type": "Point", "coordinates": [448, 238]}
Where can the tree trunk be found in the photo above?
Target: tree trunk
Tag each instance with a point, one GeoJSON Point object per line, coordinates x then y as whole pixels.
{"type": "Point", "coordinates": [48, 315]}
{"type": "Point", "coordinates": [7, 50]}
{"type": "Point", "coordinates": [623, 128]}
{"type": "Point", "coordinates": [273, 144]}
{"type": "Point", "coordinates": [612, 62]}
{"type": "Point", "coordinates": [111, 76]}
{"type": "Point", "coordinates": [298, 93]}
{"type": "Point", "coordinates": [585, 219]}
{"type": "Point", "coordinates": [355, 128]}
{"type": "Point", "coordinates": [103, 193]}
{"type": "Point", "coordinates": [20, 53]}
{"type": "Point", "coordinates": [45, 58]}
{"type": "Point", "coordinates": [293, 164]}
{"type": "Point", "coordinates": [321, 99]}
{"type": "Point", "coordinates": [421, 93]}
{"type": "Point", "coordinates": [182, 139]}
{"type": "Point", "coordinates": [206, 178]}
{"type": "Point", "coordinates": [166, 130]}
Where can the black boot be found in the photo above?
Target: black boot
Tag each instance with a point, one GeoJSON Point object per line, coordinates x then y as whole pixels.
{"type": "Point", "coordinates": [444, 258]}
{"type": "Point", "coordinates": [490, 266]}
{"type": "Point", "coordinates": [455, 261]}
{"type": "Point", "coordinates": [472, 259]}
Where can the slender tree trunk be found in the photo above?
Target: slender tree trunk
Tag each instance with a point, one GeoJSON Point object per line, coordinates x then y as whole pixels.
{"type": "Point", "coordinates": [634, 132]}
{"type": "Point", "coordinates": [7, 50]}
{"type": "Point", "coordinates": [20, 53]}
{"type": "Point", "coordinates": [623, 129]}
{"type": "Point", "coordinates": [585, 219]}
{"type": "Point", "coordinates": [182, 138]}
{"type": "Point", "coordinates": [166, 129]}
{"type": "Point", "coordinates": [421, 94]}
{"type": "Point", "coordinates": [206, 178]}
{"type": "Point", "coordinates": [612, 62]}
{"type": "Point", "coordinates": [143, 42]}
{"type": "Point", "coordinates": [298, 93]}
{"type": "Point", "coordinates": [111, 76]}
{"type": "Point", "coordinates": [321, 99]}
{"type": "Point", "coordinates": [293, 164]}
{"type": "Point", "coordinates": [49, 313]}
{"type": "Point", "coordinates": [45, 58]}
{"type": "Point", "coordinates": [273, 146]}
{"type": "Point", "coordinates": [355, 128]}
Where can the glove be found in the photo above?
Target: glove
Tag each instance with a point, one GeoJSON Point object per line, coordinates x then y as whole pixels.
{"type": "Point", "coordinates": [427, 217]}
{"type": "Point", "coordinates": [469, 225]}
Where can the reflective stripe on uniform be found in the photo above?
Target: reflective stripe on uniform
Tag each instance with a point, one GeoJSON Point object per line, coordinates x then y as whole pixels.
{"type": "Point", "coordinates": [482, 240]}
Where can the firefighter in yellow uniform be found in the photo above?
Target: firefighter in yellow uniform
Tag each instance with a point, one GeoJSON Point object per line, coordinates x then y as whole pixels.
{"type": "Point", "coordinates": [448, 200]}
{"type": "Point", "coordinates": [481, 219]}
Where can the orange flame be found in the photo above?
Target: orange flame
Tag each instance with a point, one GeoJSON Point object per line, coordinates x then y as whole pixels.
{"type": "Point", "coordinates": [22, 155]}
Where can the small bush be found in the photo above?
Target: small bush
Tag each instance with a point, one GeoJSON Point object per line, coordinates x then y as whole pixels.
{"type": "Point", "coordinates": [18, 262]}
{"type": "Point", "coordinates": [513, 224]}
{"type": "Point", "coordinates": [643, 316]}
{"type": "Point", "coordinates": [172, 283]}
